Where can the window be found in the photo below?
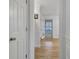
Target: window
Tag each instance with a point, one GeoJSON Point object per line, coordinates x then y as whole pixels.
{"type": "Point", "coordinates": [48, 28]}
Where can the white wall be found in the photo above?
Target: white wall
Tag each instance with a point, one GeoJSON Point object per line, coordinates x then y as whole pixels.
{"type": "Point", "coordinates": [37, 23]}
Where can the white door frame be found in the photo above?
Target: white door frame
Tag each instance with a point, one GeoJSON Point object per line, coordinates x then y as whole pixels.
{"type": "Point", "coordinates": [65, 29]}
{"type": "Point", "coordinates": [64, 33]}
{"type": "Point", "coordinates": [31, 11]}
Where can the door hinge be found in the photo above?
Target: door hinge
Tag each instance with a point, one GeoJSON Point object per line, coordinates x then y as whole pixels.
{"type": "Point", "coordinates": [26, 29]}
{"type": "Point", "coordinates": [26, 1]}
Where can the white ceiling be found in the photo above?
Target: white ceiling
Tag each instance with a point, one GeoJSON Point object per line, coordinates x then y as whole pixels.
{"type": "Point", "coordinates": [49, 7]}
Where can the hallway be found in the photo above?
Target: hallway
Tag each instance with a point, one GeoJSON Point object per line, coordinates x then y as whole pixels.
{"type": "Point", "coordinates": [49, 49]}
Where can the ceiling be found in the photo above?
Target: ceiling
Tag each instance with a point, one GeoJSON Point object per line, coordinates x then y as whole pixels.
{"type": "Point", "coordinates": [49, 7]}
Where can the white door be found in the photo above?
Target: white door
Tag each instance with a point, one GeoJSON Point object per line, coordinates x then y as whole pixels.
{"type": "Point", "coordinates": [18, 21]}
{"type": "Point", "coordinates": [12, 32]}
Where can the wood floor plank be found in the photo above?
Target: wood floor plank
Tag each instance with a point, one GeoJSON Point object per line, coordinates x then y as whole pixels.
{"type": "Point", "coordinates": [49, 49]}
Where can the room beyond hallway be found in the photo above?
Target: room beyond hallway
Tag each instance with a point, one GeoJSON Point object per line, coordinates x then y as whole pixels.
{"type": "Point", "coordinates": [49, 49]}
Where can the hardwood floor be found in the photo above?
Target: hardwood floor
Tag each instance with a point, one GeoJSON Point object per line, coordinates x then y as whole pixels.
{"type": "Point", "coordinates": [49, 49]}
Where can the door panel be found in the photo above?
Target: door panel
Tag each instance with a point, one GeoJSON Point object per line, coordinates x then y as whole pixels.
{"type": "Point", "coordinates": [13, 46]}
{"type": "Point", "coordinates": [18, 22]}
{"type": "Point", "coordinates": [22, 34]}
{"type": "Point", "coordinates": [13, 31]}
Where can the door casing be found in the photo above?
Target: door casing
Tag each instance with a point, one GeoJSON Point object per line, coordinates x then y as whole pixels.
{"type": "Point", "coordinates": [64, 33]}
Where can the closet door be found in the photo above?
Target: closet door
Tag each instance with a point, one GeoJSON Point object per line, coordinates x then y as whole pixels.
{"type": "Point", "coordinates": [13, 30]}
{"type": "Point", "coordinates": [18, 33]}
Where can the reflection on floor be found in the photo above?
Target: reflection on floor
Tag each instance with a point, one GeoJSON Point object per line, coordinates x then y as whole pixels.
{"type": "Point", "coordinates": [49, 49]}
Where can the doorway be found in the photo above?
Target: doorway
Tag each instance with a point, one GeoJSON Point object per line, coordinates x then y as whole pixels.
{"type": "Point", "coordinates": [47, 9]}
{"type": "Point", "coordinates": [48, 29]}
{"type": "Point", "coordinates": [18, 29]}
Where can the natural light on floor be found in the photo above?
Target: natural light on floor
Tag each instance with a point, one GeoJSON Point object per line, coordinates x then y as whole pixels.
{"type": "Point", "coordinates": [48, 44]}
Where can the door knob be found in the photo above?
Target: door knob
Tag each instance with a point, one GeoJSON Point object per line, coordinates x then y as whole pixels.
{"type": "Point", "coordinates": [12, 39]}
{"type": "Point", "coordinates": [26, 56]}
